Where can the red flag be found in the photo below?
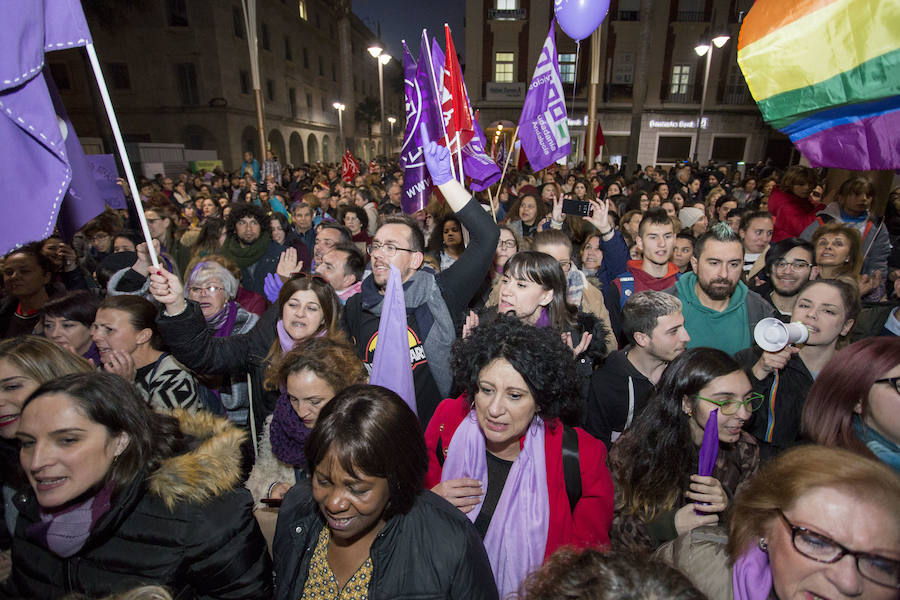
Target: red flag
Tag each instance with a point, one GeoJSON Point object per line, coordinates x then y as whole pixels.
{"type": "Point", "coordinates": [349, 166]}
{"type": "Point", "coordinates": [455, 100]}
{"type": "Point", "coordinates": [598, 141]}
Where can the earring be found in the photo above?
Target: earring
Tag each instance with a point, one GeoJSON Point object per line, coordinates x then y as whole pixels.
{"type": "Point", "coordinates": [763, 544]}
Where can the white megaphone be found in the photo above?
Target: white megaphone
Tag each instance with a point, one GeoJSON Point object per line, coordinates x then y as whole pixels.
{"type": "Point", "coordinates": [772, 335]}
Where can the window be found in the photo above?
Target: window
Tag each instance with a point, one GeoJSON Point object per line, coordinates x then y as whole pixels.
{"type": "Point", "coordinates": [321, 66]}
{"type": "Point", "coordinates": [673, 148]}
{"type": "Point", "coordinates": [288, 51]}
{"type": "Point", "coordinates": [503, 67]}
{"type": "Point", "coordinates": [629, 10]}
{"type": "Point", "coordinates": [306, 58]}
{"type": "Point", "coordinates": [186, 76]}
{"type": "Point", "coordinates": [506, 5]}
{"type": "Point", "coordinates": [318, 21]}
{"type": "Point", "coordinates": [333, 72]}
{"type": "Point", "coordinates": [264, 36]}
{"type": "Point", "coordinates": [118, 76]}
{"type": "Point", "coordinates": [728, 149]}
{"type": "Point", "coordinates": [237, 21]}
{"type": "Point", "coordinates": [567, 68]}
{"type": "Point", "coordinates": [270, 90]}
{"type": "Point", "coordinates": [245, 82]}
{"type": "Point", "coordinates": [301, 10]}
{"type": "Point", "coordinates": [354, 83]}
{"type": "Point", "coordinates": [681, 77]}
{"type": "Point", "coordinates": [309, 101]}
{"type": "Point", "coordinates": [691, 10]}
{"type": "Point", "coordinates": [176, 13]}
{"type": "Point", "coordinates": [60, 73]}
{"type": "Point", "coordinates": [292, 98]}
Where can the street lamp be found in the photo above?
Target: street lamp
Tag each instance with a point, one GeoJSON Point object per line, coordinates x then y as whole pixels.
{"type": "Point", "coordinates": [391, 120]}
{"type": "Point", "coordinates": [705, 48]}
{"type": "Point", "coordinates": [382, 58]}
{"type": "Point", "coordinates": [340, 108]}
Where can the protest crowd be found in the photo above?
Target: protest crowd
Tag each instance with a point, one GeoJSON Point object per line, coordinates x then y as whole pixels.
{"type": "Point", "coordinates": [462, 378]}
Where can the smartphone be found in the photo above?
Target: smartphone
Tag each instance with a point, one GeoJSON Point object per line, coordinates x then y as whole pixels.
{"type": "Point", "coordinates": [576, 207]}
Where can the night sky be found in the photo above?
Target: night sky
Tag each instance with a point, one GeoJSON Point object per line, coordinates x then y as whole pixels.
{"type": "Point", "coordinates": [404, 19]}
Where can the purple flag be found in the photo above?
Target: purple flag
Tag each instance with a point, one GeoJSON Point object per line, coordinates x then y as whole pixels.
{"type": "Point", "coordinates": [391, 367]}
{"type": "Point", "coordinates": [52, 180]}
{"type": "Point", "coordinates": [543, 126]}
{"type": "Point", "coordinates": [709, 449]}
{"type": "Point", "coordinates": [477, 165]}
{"type": "Point", "coordinates": [103, 166]}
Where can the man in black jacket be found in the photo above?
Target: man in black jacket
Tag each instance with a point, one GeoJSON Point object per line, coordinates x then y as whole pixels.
{"type": "Point", "coordinates": [249, 245]}
{"type": "Point", "coordinates": [653, 325]}
{"type": "Point", "coordinates": [435, 304]}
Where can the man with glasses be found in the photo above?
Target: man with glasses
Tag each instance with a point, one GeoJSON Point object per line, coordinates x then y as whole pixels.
{"type": "Point", "coordinates": [789, 265]}
{"type": "Point", "coordinates": [328, 235]}
{"type": "Point", "coordinates": [250, 247]}
{"type": "Point", "coordinates": [435, 304]}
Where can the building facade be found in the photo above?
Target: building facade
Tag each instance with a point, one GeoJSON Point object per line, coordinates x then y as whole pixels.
{"type": "Point", "coordinates": [504, 39]}
{"type": "Point", "coordinates": [179, 72]}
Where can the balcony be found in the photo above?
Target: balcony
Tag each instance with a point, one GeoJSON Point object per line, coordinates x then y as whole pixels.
{"type": "Point", "coordinates": [737, 94]}
{"type": "Point", "coordinates": [628, 15]}
{"type": "Point", "coordinates": [691, 16]}
{"type": "Point", "coordinates": [679, 94]}
{"type": "Point", "coordinates": [514, 14]}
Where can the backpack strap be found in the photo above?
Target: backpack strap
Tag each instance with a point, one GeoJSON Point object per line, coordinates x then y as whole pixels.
{"type": "Point", "coordinates": [571, 466]}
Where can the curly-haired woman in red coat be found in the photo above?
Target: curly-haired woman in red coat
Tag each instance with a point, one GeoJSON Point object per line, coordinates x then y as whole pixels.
{"type": "Point", "coordinates": [496, 452]}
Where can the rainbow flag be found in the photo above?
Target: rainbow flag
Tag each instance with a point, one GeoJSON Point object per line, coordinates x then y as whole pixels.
{"type": "Point", "coordinates": [827, 74]}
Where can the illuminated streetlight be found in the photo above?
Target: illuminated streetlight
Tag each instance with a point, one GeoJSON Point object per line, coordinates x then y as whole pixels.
{"type": "Point", "coordinates": [340, 108]}
{"type": "Point", "coordinates": [705, 48]}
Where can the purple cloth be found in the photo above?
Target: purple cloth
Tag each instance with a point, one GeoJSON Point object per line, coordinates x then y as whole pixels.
{"type": "Point", "coordinates": [92, 355]}
{"type": "Point", "coordinates": [51, 170]}
{"type": "Point", "coordinates": [543, 320]}
{"type": "Point", "coordinates": [223, 321]}
{"type": "Point", "coordinates": [709, 449]}
{"type": "Point", "coordinates": [391, 367]}
{"type": "Point", "coordinates": [286, 341]}
{"type": "Point", "coordinates": [288, 434]}
{"type": "Point", "coordinates": [543, 126]}
{"type": "Point", "coordinates": [751, 577]}
{"type": "Point", "coordinates": [517, 536]}
{"type": "Point", "coordinates": [477, 165]}
{"type": "Point", "coordinates": [65, 532]}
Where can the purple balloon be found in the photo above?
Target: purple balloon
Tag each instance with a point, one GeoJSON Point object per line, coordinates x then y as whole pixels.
{"type": "Point", "coordinates": [579, 18]}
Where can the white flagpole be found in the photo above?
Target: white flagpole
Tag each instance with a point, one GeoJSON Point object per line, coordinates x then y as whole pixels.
{"type": "Point", "coordinates": [437, 89]}
{"type": "Point", "coordinates": [459, 161]}
{"type": "Point", "coordinates": [120, 145]}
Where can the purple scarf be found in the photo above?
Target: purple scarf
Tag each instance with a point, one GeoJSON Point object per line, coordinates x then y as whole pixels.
{"type": "Point", "coordinates": [288, 434]}
{"type": "Point", "coordinates": [65, 532]}
{"type": "Point", "coordinates": [543, 320]}
{"type": "Point", "coordinates": [223, 321]}
{"type": "Point", "coordinates": [751, 578]}
{"type": "Point", "coordinates": [517, 536]}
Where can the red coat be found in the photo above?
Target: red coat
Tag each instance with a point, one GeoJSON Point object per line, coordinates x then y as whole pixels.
{"type": "Point", "coordinates": [589, 526]}
{"type": "Point", "coordinates": [792, 214]}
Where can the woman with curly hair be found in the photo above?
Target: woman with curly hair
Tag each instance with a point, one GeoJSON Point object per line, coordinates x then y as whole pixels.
{"type": "Point", "coordinates": [659, 496]}
{"type": "Point", "coordinates": [446, 244]}
{"type": "Point", "coordinates": [507, 430]}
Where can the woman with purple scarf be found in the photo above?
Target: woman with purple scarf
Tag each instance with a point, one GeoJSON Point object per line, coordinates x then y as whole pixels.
{"type": "Point", "coordinates": [214, 288]}
{"type": "Point", "coordinates": [815, 523]}
{"type": "Point", "coordinates": [497, 451]}
{"type": "Point", "coordinates": [308, 376]}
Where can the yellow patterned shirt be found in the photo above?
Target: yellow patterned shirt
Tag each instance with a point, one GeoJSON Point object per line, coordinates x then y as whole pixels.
{"type": "Point", "coordinates": [321, 584]}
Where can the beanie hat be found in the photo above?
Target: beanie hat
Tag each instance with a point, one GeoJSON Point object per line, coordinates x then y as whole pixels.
{"type": "Point", "coordinates": [689, 215]}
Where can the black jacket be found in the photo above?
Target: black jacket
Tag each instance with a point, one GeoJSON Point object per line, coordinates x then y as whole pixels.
{"type": "Point", "coordinates": [776, 424]}
{"type": "Point", "coordinates": [618, 394]}
{"type": "Point", "coordinates": [433, 551]}
{"type": "Point", "coordinates": [191, 342]}
{"type": "Point", "coordinates": [189, 526]}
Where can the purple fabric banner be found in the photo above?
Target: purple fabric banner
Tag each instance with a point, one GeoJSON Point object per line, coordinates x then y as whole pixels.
{"type": "Point", "coordinates": [709, 449]}
{"type": "Point", "coordinates": [391, 367]}
{"type": "Point", "coordinates": [53, 181]}
{"type": "Point", "coordinates": [103, 168]}
{"type": "Point", "coordinates": [543, 126]}
{"type": "Point", "coordinates": [862, 145]}
{"type": "Point", "coordinates": [477, 165]}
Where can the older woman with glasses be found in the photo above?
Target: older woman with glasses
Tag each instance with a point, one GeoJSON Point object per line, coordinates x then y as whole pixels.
{"type": "Point", "coordinates": [814, 523]}
{"type": "Point", "coordinates": [655, 464]}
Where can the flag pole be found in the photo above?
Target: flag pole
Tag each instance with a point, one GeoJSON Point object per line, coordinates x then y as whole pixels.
{"type": "Point", "coordinates": [437, 89]}
{"type": "Point", "coordinates": [459, 161]}
{"type": "Point", "coordinates": [512, 145]}
{"type": "Point", "coordinates": [120, 145]}
{"type": "Point", "coordinates": [493, 208]}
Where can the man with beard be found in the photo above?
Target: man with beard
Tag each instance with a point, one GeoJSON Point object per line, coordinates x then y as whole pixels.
{"type": "Point", "coordinates": [653, 326]}
{"type": "Point", "coordinates": [655, 271]}
{"type": "Point", "coordinates": [719, 310]}
{"type": "Point", "coordinates": [789, 265]}
{"type": "Point", "coordinates": [254, 251]}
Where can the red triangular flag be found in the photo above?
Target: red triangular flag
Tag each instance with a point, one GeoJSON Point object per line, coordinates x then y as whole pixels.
{"type": "Point", "coordinates": [454, 100]}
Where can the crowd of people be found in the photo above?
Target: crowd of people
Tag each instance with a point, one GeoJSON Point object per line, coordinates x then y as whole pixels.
{"type": "Point", "coordinates": [592, 418]}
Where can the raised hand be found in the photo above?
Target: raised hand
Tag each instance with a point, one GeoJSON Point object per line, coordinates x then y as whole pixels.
{"type": "Point", "coordinates": [168, 291]}
{"type": "Point", "coordinates": [439, 163]}
{"type": "Point", "coordinates": [272, 287]}
{"type": "Point", "coordinates": [599, 216]}
{"type": "Point", "coordinates": [288, 265]}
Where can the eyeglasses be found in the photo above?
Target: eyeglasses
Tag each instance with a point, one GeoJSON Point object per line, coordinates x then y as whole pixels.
{"type": "Point", "coordinates": [796, 265]}
{"type": "Point", "coordinates": [389, 250]}
{"type": "Point", "coordinates": [893, 381]}
{"type": "Point", "coordinates": [730, 407]}
{"type": "Point", "coordinates": [198, 290]}
{"type": "Point", "coordinates": [507, 244]}
{"type": "Point", "coordinates": [314, 276]}
{"type": "Point", "coordinates": [820, 548]}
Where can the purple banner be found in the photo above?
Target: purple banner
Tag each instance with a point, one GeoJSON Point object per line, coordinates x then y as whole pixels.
{"type": "Point", "coordinates": [391, 367]}
{"type": "Point", "coordinates": [543, 126]}
{"type": "Point", "coordinates": [103, 167]}
{"type": "Point", "coordinates": [477, 165]}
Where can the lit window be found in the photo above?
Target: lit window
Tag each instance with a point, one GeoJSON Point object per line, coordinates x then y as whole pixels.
{"type": "Point", "coordinates": [567, 68]}
{"type": "Point", "coordinates": [301, 9]}
{"type": "Point", "coordinates": [681, 76]}
{"type": "Point", "coordinates": [503, 67]}
{"type": "Point", "coordinates": [506, 4]}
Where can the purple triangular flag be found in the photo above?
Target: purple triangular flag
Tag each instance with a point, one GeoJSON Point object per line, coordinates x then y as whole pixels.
{"type": "Point", "coordinates": [391, 367]}
{"type": "Point", "coordinates": [543, 126]}
{"type": "Point", "coordinates": [417, 183]}
{"type": "Point", "coordinates": [477, 165]}
{"type": "Point", "coordinates": [709, 450]}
